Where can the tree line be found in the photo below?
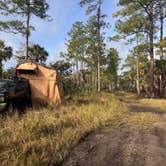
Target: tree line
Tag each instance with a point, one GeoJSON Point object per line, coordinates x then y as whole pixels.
{"type": "Point", "coordinates": [95, 66]}
{"type": "Point", "coordinates": [88, 63]}
{"type": "Point", "coordinates": [142, 23]}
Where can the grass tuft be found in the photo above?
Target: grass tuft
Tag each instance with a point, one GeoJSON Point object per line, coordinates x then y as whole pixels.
{"type": "Point", "coordinates": [45, 137]}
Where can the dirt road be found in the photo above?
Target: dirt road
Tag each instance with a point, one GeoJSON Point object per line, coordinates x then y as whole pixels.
{"type": "Point", "coordinates": [124, 145]}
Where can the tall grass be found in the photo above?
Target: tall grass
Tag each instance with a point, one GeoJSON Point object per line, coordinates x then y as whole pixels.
{"type": "Point", "coordinates": [45, 137]}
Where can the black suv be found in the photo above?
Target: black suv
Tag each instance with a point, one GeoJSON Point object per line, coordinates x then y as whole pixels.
{"type": "Point", "coordinates": [14, 93]}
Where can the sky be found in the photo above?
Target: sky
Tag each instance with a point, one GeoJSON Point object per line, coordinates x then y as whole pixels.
{"type": "Point", "coordinates": [52, 35]}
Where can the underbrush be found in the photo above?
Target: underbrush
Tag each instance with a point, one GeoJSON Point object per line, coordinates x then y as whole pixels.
{"type": "Point", "coordinates": [45, 137]}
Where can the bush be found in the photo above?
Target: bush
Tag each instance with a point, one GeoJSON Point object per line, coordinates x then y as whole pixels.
{"type": "Point", "coordinates": [69, 86]}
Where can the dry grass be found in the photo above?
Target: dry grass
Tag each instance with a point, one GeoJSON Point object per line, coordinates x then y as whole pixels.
{"type": "Point", "coordinates": [45, 137]}
{"type": "Point", "coordinates": [142, 120]}
{"type": "Point", "coordinates": [155, 103]}
{"type": "Point", "coordinates": [145, 111]}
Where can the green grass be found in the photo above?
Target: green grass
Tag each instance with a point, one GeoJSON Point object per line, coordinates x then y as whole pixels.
{"type": "Point", "coordinates": [46, 136]}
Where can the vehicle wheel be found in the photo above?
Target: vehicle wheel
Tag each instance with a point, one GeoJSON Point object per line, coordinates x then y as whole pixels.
{"type": "Point", "coordinates": [10, 107]}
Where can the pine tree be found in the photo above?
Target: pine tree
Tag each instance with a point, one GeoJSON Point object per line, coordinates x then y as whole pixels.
{"type": "Point", "coordinates": [26, 9]}
{"type": "Point", "coordinates": [161, 10]}
{"type": "Point", "coordinates": [8, 25]}
{"type": "Point", "coordinates": [97, 20]}
{"type": "Point", "coordinates": [146, 11]}
{"type": "Point", "coordinates": [76, 44]}
{"type": "Point", "coordinates": [112, 63]}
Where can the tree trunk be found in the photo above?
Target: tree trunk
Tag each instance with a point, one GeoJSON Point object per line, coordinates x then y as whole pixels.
{"type": "Point", "coordinates": [99, 46]}
{"type": "Point", "coordinates": [109, 86]}
{"type": "Point", "coordinates": [98, 73]}
{"type": "Point", "coordinates": [151, 71]}
{"type": "Point", "coordinates": [27, 30]}
{"type": "Point", "coordinates": [1, 69]}
{"type": "Point", "coordinates": [138, 76]}
{"type": "Point", "coordinates": [138, 71]}
{"type": "Point", "coordinates": [77, 73]}
{"type": "Point", "coordinates": [161, 53]}
{"type": "Point", "coordinates": [151, 45]}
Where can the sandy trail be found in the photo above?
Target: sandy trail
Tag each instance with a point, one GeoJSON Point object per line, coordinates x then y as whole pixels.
{"type": "Point", "coordinates": [123, 146]}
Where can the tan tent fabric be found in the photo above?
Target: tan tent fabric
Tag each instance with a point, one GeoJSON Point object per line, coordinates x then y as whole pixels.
{"type": "Point", "coordinates": [27, 66]}
{"type": "Point", "coordinates": [45, 84]}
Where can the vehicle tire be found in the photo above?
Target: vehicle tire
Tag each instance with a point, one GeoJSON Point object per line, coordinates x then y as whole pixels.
{"type": "Point", "coordinates": [10, 107]}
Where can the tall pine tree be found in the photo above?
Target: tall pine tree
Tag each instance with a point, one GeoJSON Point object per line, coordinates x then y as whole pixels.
{"type": "Point", "coordinates": [94, 7]}
{"type": "Point", "coordinates": [26, 9]}
{"type": "Point", "coordinates": [145, 9]}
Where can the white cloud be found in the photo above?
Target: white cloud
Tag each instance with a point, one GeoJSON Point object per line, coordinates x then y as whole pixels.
{"type": "Point", "coordinates": [55, 54]}
{"type": "Point", "coordinates": [59, 11]}
{"type": "Point", "coordinates": [47, 33]}
{"type": "Point", "coordinates": [11, 40]}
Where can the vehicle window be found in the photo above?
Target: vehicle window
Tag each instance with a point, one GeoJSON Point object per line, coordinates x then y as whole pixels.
{"type": "Point", "coordinates": [2, 84]}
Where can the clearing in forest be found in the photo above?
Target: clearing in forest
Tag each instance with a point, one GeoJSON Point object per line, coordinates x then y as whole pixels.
{"type": "Point", "coordinates": [140, 140]}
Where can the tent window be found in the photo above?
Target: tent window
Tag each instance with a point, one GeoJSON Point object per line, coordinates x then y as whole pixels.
{"type": "Point", "coordinates": [31, 72]}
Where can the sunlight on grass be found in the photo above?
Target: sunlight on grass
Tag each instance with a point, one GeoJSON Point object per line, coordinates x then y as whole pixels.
{"type": "Point", "coordinates": [142, 120]}
{"type": "Point", "coordinates": [46, 136]}
{"type": "Point", "coordinates": [155, 103]}
{"type": "Point", "coordinates": [149, 110]}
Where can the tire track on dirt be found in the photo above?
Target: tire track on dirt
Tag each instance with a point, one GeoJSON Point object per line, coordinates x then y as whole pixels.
{"type": "Point", "coordinates": [156, 151]}
{"type": "Point", "coordinates": [123, 146]}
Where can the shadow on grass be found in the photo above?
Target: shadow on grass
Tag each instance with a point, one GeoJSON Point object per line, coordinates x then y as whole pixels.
{"type": "Point", "coordinates": [79, 101]}
{"type": "Point", "coordinates": [20, 108]}
{"type": "Point", "coordinates": [139, 109]}
{"type": "Point", "coordinates": [134, 103]}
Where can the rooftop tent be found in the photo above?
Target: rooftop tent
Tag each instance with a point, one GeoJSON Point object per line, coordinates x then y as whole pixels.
{"type": "Point", "coordinates": [27, 66]}
{"type": "Point", "coordinates": [45, 83]}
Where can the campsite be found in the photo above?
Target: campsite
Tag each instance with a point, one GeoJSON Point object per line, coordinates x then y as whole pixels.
{"type": "Point", "coordinates": [82, 83]}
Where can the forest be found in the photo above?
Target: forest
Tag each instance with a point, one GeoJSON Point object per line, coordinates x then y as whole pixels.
{"type": "Point", "coordinates": [88, 64]}
{"type": "Point", "coordinates": [114, 107]}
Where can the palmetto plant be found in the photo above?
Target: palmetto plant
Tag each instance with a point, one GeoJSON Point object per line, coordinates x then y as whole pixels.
{"type": "Point", "coordinates": [5, 54]}
{"type": "Point", "coordinates": [38, 53]}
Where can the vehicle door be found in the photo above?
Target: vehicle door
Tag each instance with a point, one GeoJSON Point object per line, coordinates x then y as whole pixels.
{"type": "Point", "coordinates": [21, 88]}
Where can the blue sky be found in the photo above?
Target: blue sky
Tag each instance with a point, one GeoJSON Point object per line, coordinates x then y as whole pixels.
{"type": "Point", "coordinates": [52, 35]}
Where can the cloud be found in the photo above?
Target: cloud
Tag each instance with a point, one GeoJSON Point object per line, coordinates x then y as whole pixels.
{"type": "Point", "coordinates": [121, 47]}
{"type": "Point", "coordinates": [14, 42]}
{"type": "Point", "coordinates": [59, 12]}
{"type": "Point", "coordinates": [47, 34]}
{"type": "Point", "coordinates": [51, 35]}
{"type": "Point", "coordinates": [11, 40]}
{"type": "Point", "coordinates": [55, 53]}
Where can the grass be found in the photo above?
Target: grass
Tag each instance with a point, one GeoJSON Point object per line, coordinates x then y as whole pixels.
{"type": "Point", "coordinates": [150, 112]}
{"type": "Point", "coordinates": [155, 103]}
{"type": "Point", "coordinates": [46, 137]}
